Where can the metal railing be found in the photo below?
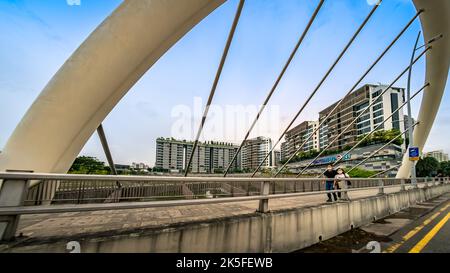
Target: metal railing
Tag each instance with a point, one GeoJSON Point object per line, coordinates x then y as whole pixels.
{"type": "Point", "coordinates": [70, 193]}
{"type": "Point", "coordinates": [98, 190]}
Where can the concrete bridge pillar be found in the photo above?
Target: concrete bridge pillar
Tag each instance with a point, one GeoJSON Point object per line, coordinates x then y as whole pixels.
{"type": "Point", "coordinates": [12, 194]}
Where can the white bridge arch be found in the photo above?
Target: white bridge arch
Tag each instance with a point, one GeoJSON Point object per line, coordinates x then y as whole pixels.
{"type": "Point", "coordinates": [128, 43]}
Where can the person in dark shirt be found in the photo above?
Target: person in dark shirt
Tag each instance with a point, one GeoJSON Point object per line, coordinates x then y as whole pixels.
{"type": "Point", "coordinates": [330, 173]}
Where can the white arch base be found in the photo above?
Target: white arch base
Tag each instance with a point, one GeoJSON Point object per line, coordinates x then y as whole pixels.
{"type": "Point", "coordinates": [104, 68]}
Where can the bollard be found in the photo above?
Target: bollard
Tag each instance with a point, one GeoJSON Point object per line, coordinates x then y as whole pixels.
{"type": "Point", "coordinates": [12, 194]}
{"type": "Point", "coordinates": [381, 189]}
{"type": "Point", "coordinates": [264, 203]}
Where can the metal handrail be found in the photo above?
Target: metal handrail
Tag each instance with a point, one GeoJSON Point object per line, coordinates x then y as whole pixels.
{"type": "Point", "coordinates": [155, 204]}
{"type": "Point", "coordinates": [125, 178]}
{"type": "Point", "coordinates": [262, 197]}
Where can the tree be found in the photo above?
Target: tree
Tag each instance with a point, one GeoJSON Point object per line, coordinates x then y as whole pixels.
{"type": "Point", "coordinates": [361, 173]}
{"type": "Point", "coordinates": [427, 167]}
{"type": "Point", "coordinates": [88, 165]}
{"type": "Point", "coordinates": [445, 168]}
{"type": "Point", "coordinates": [160, 170]}
{"type": "Point", "coordinates": [382, 136]}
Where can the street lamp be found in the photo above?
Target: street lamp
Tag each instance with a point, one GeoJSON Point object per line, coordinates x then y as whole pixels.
{"type": "Point", "coordinates": [408, 94]}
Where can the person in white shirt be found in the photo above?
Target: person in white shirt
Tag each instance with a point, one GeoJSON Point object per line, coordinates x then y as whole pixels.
{"type": "Point", "coordinates": [341, 183]}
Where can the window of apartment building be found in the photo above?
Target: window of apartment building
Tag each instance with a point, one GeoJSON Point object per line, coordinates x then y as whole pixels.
{"type": "Point", "coordinates": [377, 107]}
{"type": "Point", "coordinates": [363, 118]}
{"type": "Point", "coordinates": [378, 113]}
{"type": "Point", "coordinates": [394, 106]}
{"type": "Point", "coordinates": [381, 127]}
{"type": "Point", "coordinates": [378, 120]}
{"type": "Point", "coordinates": [361, 106]}
{"type": "Point", "coordinates": [364, 124]}
{"type": "Point", "coordinates": [364, 131]}
{"type": "Point", "coordinates": [377, 93]}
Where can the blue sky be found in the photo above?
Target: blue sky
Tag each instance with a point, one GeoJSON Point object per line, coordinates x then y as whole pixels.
{"type": "Point", "coordinates": [39, 35]}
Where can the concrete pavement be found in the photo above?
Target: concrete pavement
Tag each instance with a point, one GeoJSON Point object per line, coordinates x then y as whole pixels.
{"type": "Point", "coordinates": [427, 234]}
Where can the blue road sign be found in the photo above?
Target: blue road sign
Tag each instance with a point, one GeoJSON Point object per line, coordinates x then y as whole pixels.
{"type": "Point", "coordinates": [414, 153]}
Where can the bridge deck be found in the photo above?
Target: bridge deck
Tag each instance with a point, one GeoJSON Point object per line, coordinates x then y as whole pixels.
{"type": "Point", "coordinates": [84, 224]}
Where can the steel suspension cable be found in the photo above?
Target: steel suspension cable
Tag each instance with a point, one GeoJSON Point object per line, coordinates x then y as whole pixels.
{"type": "Point", "coordinates": [364, 110]}
{"type": "Point", "coordinates": [280, 76]}
{"type": "Point", "coordinates": [385, 171]}
{"type": "Point", "coordinates": [355, 35]}
{"type": "Point", "coordinates": [216, 81]}
{"type": "Point", "coordinates": [382, 148]}
{"type": "Point", "coordinates": [381, 124]}
{"type": "Point", "coordinates": [353, 88]}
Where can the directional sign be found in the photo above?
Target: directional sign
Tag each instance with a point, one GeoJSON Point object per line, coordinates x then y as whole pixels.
{"type": "Point", "coordinates": [414, 154]}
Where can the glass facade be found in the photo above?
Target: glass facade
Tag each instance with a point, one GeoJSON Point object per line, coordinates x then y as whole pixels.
{"type": "Point", "coordinates": [394, 106]}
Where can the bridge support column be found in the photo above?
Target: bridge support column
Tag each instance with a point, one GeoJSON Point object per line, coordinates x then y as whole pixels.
{"type": "Point", "coordinates": [264, 203]}
{"type": "Point", "coordinates": [12, 194]}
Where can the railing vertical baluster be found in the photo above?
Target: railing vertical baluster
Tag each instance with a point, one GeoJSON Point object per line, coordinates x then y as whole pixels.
{"type": "Point", "coordinates": [264, 203]}
{"type": "Point", "coordinates": [381, 187]}
{"type": "Point", "coordinates": [79, 192]}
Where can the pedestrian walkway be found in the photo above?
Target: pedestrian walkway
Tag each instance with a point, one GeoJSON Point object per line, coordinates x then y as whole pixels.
{"type": "Point", "coordinates": [123, 221]}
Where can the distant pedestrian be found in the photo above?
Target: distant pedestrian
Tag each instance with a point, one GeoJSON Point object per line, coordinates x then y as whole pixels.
{"type": "Point", "coordinates": [330, 173]}
{"type": "Point", "coordinates": [342, 183]}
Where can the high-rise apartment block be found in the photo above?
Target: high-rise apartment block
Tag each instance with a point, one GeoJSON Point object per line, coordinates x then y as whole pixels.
{"type": "Point", "coordinates": [254, 151]}
{"type": "Point", "coordinates": [298, 135]}
{"type": "Point", "coordinates": [209, 157]}
{"type": "Point", "coordinates": [356, 103]}
{"type": "Point", "coordinates": [438, 155]}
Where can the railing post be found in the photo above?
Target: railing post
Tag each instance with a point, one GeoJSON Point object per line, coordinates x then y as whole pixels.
{"type": "Point", "coordinates": [414, 183]}
{"type": "Point", "coordinates": [12, 194]}
{"type": "Point", "coordinates": [381, 187]}
{"type": "Point", "coordinates": [426, 183]}
{"type": "Point", "coordinates": [264, 203]}
{"type": "Point", "coordinates": [402, 185]}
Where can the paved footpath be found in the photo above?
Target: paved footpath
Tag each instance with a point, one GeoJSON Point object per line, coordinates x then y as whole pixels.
{"type": "Point", "coordinates": [119, 221]}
